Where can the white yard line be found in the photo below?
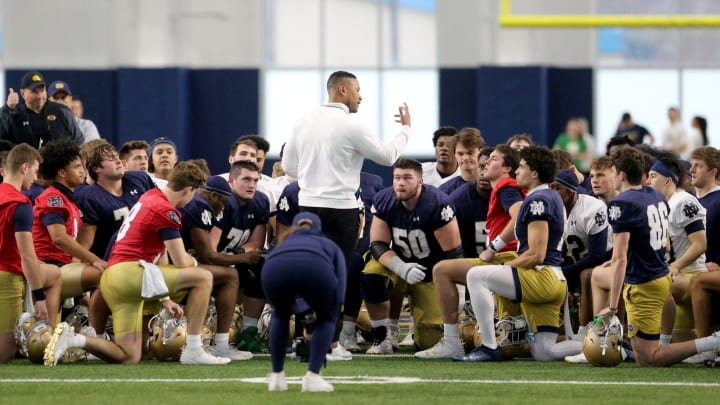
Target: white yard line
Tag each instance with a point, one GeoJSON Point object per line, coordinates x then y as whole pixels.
{"type": "Point", "coordinates": [359, 380]}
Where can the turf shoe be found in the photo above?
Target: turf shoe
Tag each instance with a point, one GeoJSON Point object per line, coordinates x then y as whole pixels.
{"type": "Point", "coordinates": [315, 383]}
{"type": "Point", "coordinates": [338, 353]}
{"type": "Point", "coordinates": [481, 353]}
{"type": "Point", "coordinates": [577, 359]}
{"type": "Point", "coordinates": [349, 341]}
{"type": "Point", "coordinates": [198, 356]}
{"type": "Point", "coordinates": [58, 344]}
{"type": "Point", "coordinates": [276, 382]}
{"type": "Point", "coordinates": [444, 349]}
{"type": "Point", "coordinates": [231, 353]}
{"type": "Point", "coordinates": [382, 347]}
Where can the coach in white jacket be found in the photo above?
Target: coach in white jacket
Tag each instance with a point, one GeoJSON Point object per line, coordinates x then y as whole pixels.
{"type": "Point", "coordinates": [326, 152]}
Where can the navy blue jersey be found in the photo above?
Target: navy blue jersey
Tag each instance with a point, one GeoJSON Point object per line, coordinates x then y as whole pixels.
{"type": "Point", "coordinates": [643, 212]}
{"type": "Point", "coordinates": [198, 213]}
{"type": "Point", "coordinates": [107, 211]}
{"type": "Point", "coordinates": [288, 206]}
{"type": "Point", "coordinates": [711, 202]}
{"type": "Point", "coordinates": [238, 222]}
{"type": "Point", "coordinates": [542, 204]}
{"type": "Point", "coordinates": [413, 232]}
{"type": "Point", "coordinates": [471, 210]}
{"type": "Point", "coordinates": [453, 184]}
{"type": "Point", "coordinates": [34, 191]}
{"type": "Point", "coordinates": [370, 185]}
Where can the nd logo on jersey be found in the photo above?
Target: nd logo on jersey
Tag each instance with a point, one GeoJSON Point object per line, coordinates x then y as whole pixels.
{"type": "Point", "coordinates": [537, 207]}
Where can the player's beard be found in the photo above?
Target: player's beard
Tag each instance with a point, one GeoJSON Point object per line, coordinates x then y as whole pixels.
{"type": "Point", "coordinates": [409, 194]}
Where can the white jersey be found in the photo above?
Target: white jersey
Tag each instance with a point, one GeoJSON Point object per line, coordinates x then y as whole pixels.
{"type": "Point", "coordinates": [432, 177]}
{"type": "Point", "coordinates": [587, 217]}
{"type": "Point", "coordinates": [685, 210]}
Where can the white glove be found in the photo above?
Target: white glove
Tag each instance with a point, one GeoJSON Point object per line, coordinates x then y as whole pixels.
{"type": "Point", "coordinates": [413, 273]}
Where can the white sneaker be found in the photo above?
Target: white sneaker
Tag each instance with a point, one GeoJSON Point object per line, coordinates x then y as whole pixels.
{"type": "Point", "coordinates": [315, 383]}
{"type": "Point", "coordinates": [231, 353]}
{"type": "Point", "coordinates": [349, 341]}
{"type": "Point", "coordinates": [700, 357]}
{"type": "Point", "coordinates": [394, 335]}
{"type": "Point", "coordinates": [200, 356]}
{"type": "Point", "coordinates": [276, 382]}
{"type": "Point", "coordinates": [338, 353]}
{"type": "Point", "coordinates": [384, 347]}
{"type": "Point", "coordinates": [58, 344]}
{"type": "Point", "coordinates": [360, 338]}
{"type": "Point", "coordinates": [408, 340]}
{"type": "Point", "coordinates": [444, 349]}
{"type": "Point", "coordinates": [577, 359]}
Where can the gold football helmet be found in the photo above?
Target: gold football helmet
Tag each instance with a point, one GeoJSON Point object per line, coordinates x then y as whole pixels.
{"type": "Point", "coordinates": [36, 339]}
{"type": "Point", "coordinates": [23, 324]}
{"type": "Point", "coordinates": [603, 343]}
{"type": "Point", "coordinates": [510, 333]}
{"type": "Point", "coordinates": [469, 336]}
{"type": "Point", "coordinates": [167, 336]}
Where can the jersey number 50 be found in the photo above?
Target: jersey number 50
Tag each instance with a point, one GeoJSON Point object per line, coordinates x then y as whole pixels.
{"type": "Point", "coordinates": [412, 244]}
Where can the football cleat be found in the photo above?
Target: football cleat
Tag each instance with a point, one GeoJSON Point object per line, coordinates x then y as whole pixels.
{"type": "Point", "coordinates": [383, 347]}
{"type": "Point", "coordinates": [231, 353]}
{"type": "Point", "coordinates": [201, 357]}
{"type": "Point", "coordinates": [602, 345]}
{"type": "Point", "coordinates": [349, 341]}
{"type": "Point", "coordinates": [394, 335]}
{"type": "Point", "coordinates": [58, 344]}
{"type": "Point", "coordinates": [576, 359]}
{"type": "Point", "coordinates": [481, 354]}
{"type": "Point", "coordinates": [338, 353]}
{"type": "Point", "coordinates": [444, 349]}
{"type": "Point", "coordinates": [315, 383]}
{"type": "Point", "coordinates": [22, 325]}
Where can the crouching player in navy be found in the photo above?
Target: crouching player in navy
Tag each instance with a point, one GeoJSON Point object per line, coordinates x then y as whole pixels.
{"type": "Point", "coordinates": [151, 229]}
{"type": "Point", "coordinates": [420, 222]}
{"type": "Point", "coordinates": [307, 265]}
{"type": "Point", "coordinates": [534, 278]}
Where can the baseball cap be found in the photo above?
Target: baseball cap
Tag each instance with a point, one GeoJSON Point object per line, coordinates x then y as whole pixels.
{"type": "Point", "coordinates": [159, 141]}
{"type": "Point", "coordinates": [307, 218]}
{"type": "Point", "coordinates": [567, 179]}
{"type": "Point", "coordinates": [218, 185]}
{"type": "Point", "coordinates": [58, 85]}
{"type": "Point", "coordinates": [32, 80]}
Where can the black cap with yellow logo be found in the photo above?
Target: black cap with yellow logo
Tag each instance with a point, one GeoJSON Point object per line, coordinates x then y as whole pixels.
{"type": "Point", "coordinates": [32, 80]}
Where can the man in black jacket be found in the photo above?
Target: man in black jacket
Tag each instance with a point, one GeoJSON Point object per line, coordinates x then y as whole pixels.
{"type": "Point", "coordinates": [38, 120]}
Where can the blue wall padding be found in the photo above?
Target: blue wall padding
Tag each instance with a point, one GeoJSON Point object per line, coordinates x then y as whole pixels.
{"type": "Point", "coordinates": [226, 104]}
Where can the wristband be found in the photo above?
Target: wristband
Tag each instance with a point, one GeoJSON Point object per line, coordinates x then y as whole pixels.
{"type": "Point", "coordinates": [497, 244]}
{"type": "Point", "coordinates": [39, 294]}
{"type": "Point", "coordinates": [164, 299]}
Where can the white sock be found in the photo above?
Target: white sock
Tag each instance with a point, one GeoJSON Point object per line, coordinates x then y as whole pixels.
{"type": "Point", "coordinates": [450, 331]}
{"type": "Point", "coordinates": [77, 341]}
{"type": "Point", "coordinates": [582, 331]}
{"type": "Point", "coordinates": [193, 342]}
{"type": "Point", "coordinates": [706, 344]}
{"type": "Point", "coordinates": [395, 323]}
{"type": "Point", "coordinates": [664, 340]}
{"type": "Point", "coordinates": [249, 322]}
{"type": "Point", "coordinates": [222, 340]}
{"type": "Point", "coordinates": [382, 322]}
{"type": "Point", "coordinates": [348, 327]}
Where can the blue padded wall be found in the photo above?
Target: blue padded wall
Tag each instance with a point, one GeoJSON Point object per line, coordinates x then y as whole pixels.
{"type": "Point", "coordinates": [225, 104]}
{"type": "Point", "coordinates": [502, 101]}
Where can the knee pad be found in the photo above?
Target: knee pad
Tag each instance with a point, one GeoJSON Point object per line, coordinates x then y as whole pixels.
{"type": "Point", "coordinates": [376, 288]}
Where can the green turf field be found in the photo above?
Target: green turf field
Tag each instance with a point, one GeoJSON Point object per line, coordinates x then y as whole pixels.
{"type": "Point", "coordinates": [362, 380]}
